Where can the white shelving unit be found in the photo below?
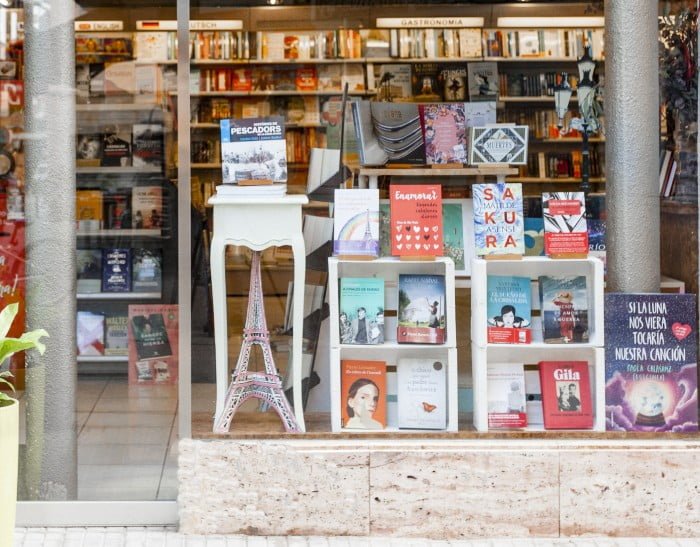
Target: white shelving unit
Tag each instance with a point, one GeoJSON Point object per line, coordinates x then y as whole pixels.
{"type": "Point", "coordinates": [119, 296]}
{"type": "Point", "coordinates": [391, 351]}
{"type": "Point", "coordinates": [484, 353]}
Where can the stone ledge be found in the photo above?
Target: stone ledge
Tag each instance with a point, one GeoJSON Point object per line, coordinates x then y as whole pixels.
{"type": "Point", "coordinates": [446, 489]}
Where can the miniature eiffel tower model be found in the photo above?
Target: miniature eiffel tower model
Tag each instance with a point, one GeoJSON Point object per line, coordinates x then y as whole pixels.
{"type": "Point", "coordinates": [261, 385]}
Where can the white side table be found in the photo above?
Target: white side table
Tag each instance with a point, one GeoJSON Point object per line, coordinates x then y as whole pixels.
{"type": "Point", "coordinates": [257, 223]}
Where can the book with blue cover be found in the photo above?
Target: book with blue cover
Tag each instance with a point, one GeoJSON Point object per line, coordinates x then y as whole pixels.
{"type": "Point", "coordinates": [361, 312]}
{"type": "Point", "coordinates": [564, 308]}
{"type": "Point", "coordinates": [508, 309]}
{"type": "Point", "coordinates": [116, 270]}
{"type": "Point", "coordinates": [422, 309]}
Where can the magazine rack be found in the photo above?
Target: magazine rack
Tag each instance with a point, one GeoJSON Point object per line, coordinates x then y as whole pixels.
{"type": "Point", "coordinates": [257, 223]}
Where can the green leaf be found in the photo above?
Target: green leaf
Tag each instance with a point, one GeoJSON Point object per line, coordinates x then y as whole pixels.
{"type": "Point", "coordinates": [5, 398]}
{"type": "Point", "coordinates": [7, 316]}
{"type": "Point", "coordinates": [29, 340]}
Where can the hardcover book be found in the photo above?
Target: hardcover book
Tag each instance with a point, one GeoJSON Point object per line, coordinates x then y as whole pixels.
{"type": "Point", "coordinates": [651, 369]}
{"type": "Point", "coordinates": [425, 82]}
{"type": "Point", "coordinates": [117, 335]}
{"type": "Point", "coordinates": [354, 76]}
{"type": "Point", "coordinates": [90, 333]}
{"type": "Point", "coordinates": [564, 308]}
{"type": "Point", "coordinates": [88, 210]}
{"type": "Point", "coordinates": [498, 219]}
{"type": "Point", "coordinates": [116, 270]}
{"type": "Point", "coordinates": [153, 333]}
{"type": "Point", "coordinates": [356, 222]}
{"type": "Point", "coordinates": [506, 396]}
{"type": "Point", "coordinates": [508, 309]}
{"type": "Point", "coordinates": [416, 219]}
{"type": "Point", "coordinates": [147, 207]}
{"type": "Point", "coordinates": [361, 310]}
{"type": "Point", "coordinates": [306, 78]}
{"type": "Point", "coordinates": [253, 149]}
{"type": "Point", "coordinates": [422, 313]}
{"type": "Point", "coordinates": [147, 145]}
{"type": "Point", "coordinates": [394, 82]}
{"type": "Point", "coordinates": [371, 152]}
{"type": "Point", "coordinates": [498, 144]}
{"type": "Point", "coordinates": [242, 79]}
{"type": "Point", "coordinates": [565, 228]}
{"type": "Point", "coordinates": [454, 84]}
{"type": "Point", "coordinates": [88, 150]}
{"type": "Point", "coordinates": [483, 81]}
{"type": "Point", "coordinates": [398, 128]}
{"type": "Point", "coordinates": [363, 394]}
{"type": "Point", "coordinates": [117, 209]}
{"type": "Point", "coordinates": [89, 270]}
{"type": "Point", "coordinates": [566, 395]}
{"type": "Point", "coordinates": [116, 148]}
{"type": "Point", "coordinates": [330, 77]}
{"type": "Point", "coordinates": [422, 393]}
{"type": "Point", "coordinates": [147, 267]}
{"type": "Point", "coordinates": [480, 114]}
{"type": "Point", "coordinates": [444, 131]}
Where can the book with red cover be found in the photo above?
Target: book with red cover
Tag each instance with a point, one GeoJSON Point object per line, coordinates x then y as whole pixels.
{"type": "Point", "coordinates": [565, 228]}
{"type": "Point", "coordinates": [416, 219]}
{"type": "Point", "coordinates": [306, 78]}
{"type": "Point", "coordinates": [566, 395]}
{"type": "Point", "coordinates": [363, 394]}
{"type": "Point", "coordinates": [242, 79]}
{"type": "Point", "coordinates": [444, 130]}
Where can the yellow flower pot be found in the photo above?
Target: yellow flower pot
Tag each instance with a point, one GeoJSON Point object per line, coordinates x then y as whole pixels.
{"type": "Point", "coordinates": [9, 447]}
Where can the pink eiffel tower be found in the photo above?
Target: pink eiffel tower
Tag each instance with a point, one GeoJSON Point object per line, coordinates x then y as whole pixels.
{"type": "Point", "coordinates": [261, 385]}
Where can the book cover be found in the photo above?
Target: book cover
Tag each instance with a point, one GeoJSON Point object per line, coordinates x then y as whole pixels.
{"type": "Point", "coordinates": [565, 228]}
{"type": "Point", "coordinates": [119, 78]}
{"type": "Point", "coordinates": [151, 46]}
{"type": "Point", "coordinates": [566, 395]}
{"type": "Point", "coordinates": [596, 222]}
{"type": "Point", "coordinates": [117, 335]}
{"type": "Point", "coordinates": [444, 131]}
{"type": "Point", "coordinates": [394, 82]}
{"type": "Point", "coordinates": [90, 334]}
{"type": "Point", "coordinates": [424, 81]}
{"type": "Point", "coordinates": [422, 313]}
{"type": "Point", "coordinates": [482, 79]}
{"type": "Point", "coordinates": [116, 270]}
{"type": "Point", "coordinates": [356, 222]}
{"type": "Point", "coordinates": [117, 209]}
{"type": "Point", "coordinates": [651, 369]}
{"type": "Point", "coordinates": [88, 150]}
{"type": "Point", "coordinates": [147, 270]}
{"type": "Point", "coordinates": [498, 218]}
{"type": "Point", "coordinates": [88, 210]}
{"type": "Point", "coordinates": [89, 270]}
{"type": "Point", "coordinates": [453, 82]}
{"type": "Point", "coordinates": [508, 309]}
{"type": "Point", "coordinates": [564, 309]}
{"type": "Point", "coordinates": [498, 144]}
{"type": "Point", "coordinates": [284, 78]}
{"type": "Point", "coordinates": [416, 219]}
{"type": "Point", "coordinates": [149, 83]}
{"type": "Point", "coordinates": [153, 334]}
{"type": "Point", "coordinates": [330, 77]}
{"type": "Point", "coordinates": [241, 79]}
{"type": "Point", "coordinates": [363, 394]}
{"type": "Point", "coordinates": [253, 149]}
{"type": "Point", "coordinates": [147, 145]}
{"type": "Point", "coordinates": [262, 80]}
{"type": "Point", "coordinates": [422, 393]}
{"type": "Point", "coordinates": [116, 148]}
{"type": "Point", "coordinates": [306, 78]}
{"type": "Point", "coordinates": [506, 396]}
{"type": "Point", "coordinates": [361, 310]}
{"type": "Point", "coordinates": [354, 76]}
{"type": "Point", "coordinates": [480, 114]}
{"type": "Point", "coordinates": [371, 152]}
{"type": "Point", "coordinates": [147, 207]}
{"type": "Point", "coordinates": [398, 128]}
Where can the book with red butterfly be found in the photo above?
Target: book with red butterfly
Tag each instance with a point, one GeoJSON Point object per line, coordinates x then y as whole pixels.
{"type": "Point", "coordinates": [422, 393]}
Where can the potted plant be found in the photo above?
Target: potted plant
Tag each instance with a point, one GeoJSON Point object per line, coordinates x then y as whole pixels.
{"type": "Point", "coordinates": [9, 419]}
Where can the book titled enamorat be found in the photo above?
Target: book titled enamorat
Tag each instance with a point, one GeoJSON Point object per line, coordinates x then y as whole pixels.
{"type": "Point", "coordinates": [416, 219]}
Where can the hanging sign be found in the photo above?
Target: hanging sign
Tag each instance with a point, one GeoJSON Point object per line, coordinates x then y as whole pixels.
{"type": "Point", "coordinates": [99, 26]}
{"type": "Point", "coordinates": [231, 24]}
{"type": "Point", "coordinates": [429, 22]}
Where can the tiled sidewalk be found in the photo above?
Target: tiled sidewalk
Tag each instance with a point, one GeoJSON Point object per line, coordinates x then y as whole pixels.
{"type": "Point", "coordinates": [168, 537]}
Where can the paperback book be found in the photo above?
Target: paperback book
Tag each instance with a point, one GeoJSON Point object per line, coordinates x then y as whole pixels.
{"type": "Point", "coordinates": [564, 308]}
{"type": "Point", "coordinates": [89, 270]}
{"type": "Point", "coordinates": [147, 207]}
{"type": "Point", "coordinates": [444, 131]}
{"type": "Point", "coordinates": [566, 395]}
{"type": "Point", "coordinates": [116, 148]}
{"type": "Point", "coordinates": [147, 145]}
{"type": "Point", "coordinates": [416, 220]}
{"type": "Point", "coordinates": [422, 393]}
{"type": "Point", "coordinates": [90, 333]}
{"type": "Point", "coordinates": [565, 228]}
{"type": "Point", "coordinates": [116, 335]}
{"type": "Point", "coordinates": [651, 362]}
{"type": "Point", "coordinates": [356, 222]}
{"type": "Point", "coordinates": [153, 333]}
{"type": "Point", "coordinates": [117, 209]}
{"type": "Point", "coordinates": [363, 394]}
{"type": "Point", "coordinates": [253, 149]}
{"type": "Point", "coordinates": [498, 144]}
{"type": "Point", "coordinates": [116, 270]}
{"type": "Point", "coordinates": [422, 311]}
{"type": "Point", "coordinates": [483, 81]}
{"type": "Point", "coordinates": [88, 150]}
{"type": "Point", "coordinates": [506, 396]}
{"type": "Point", "coordinates": [398, 129]}
{"type": "Point", "coordinates": [394, 82]}
{"type": "Point", "coordinates": [147, 267]}
{"type": "Point", "coordinates": [425, 82]}
{"type": "Point", "coordinates": [508, 309]}
{"type": "Point", "coordinates": [88, 210]}
{"type": "Point", "coordinates": [361, 312]}
{"type": "Point", "coordinates": [454, 84]}
{"type": "Point", "coordinates": [498, 219]}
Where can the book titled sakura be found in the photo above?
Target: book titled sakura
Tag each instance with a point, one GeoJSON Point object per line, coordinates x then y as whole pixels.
{"type": "Point", "coordinates": [565, 227]}
{"type": "Point", "coordinates": [566, 395]}
{"type": "Point", "coordinates": [152, 344]}
{"type": "Point", "coordinates": [498, 219]}
{"type": "Point", "coordinates": [422, 393]}
{"type": "Point", "coordinates": [651, 373]}
{"type": "Point", "coordinates": [508, 309]}
{"type": "Point", "coordinates": [506, 396]}
{"type": "Point", "coordinates": [444, 131]}
{"type": "Point", "coordinates": [416, 220]}
{"type": "Point", "coordinates": [422, 309]}
{"type": "Point", "coordinates": [363, 394]}
{"type": "Point", "coordinates": [356, 223]}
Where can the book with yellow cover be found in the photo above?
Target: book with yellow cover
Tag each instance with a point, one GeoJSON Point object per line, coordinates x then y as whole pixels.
{"type": "Point", "coordinates": [88, 210]}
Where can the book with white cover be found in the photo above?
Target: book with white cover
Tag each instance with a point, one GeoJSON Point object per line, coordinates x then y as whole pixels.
{"type": "Point", "coordinates": [506, 396]}
{"type": "Point", "coordinates": [422, 393]}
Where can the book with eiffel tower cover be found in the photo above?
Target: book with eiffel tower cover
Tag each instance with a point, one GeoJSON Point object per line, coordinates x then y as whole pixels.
{"type": "Point", "coordinates": [356, 223]}
{"type": "Point", "coordinates": [416, 219]}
